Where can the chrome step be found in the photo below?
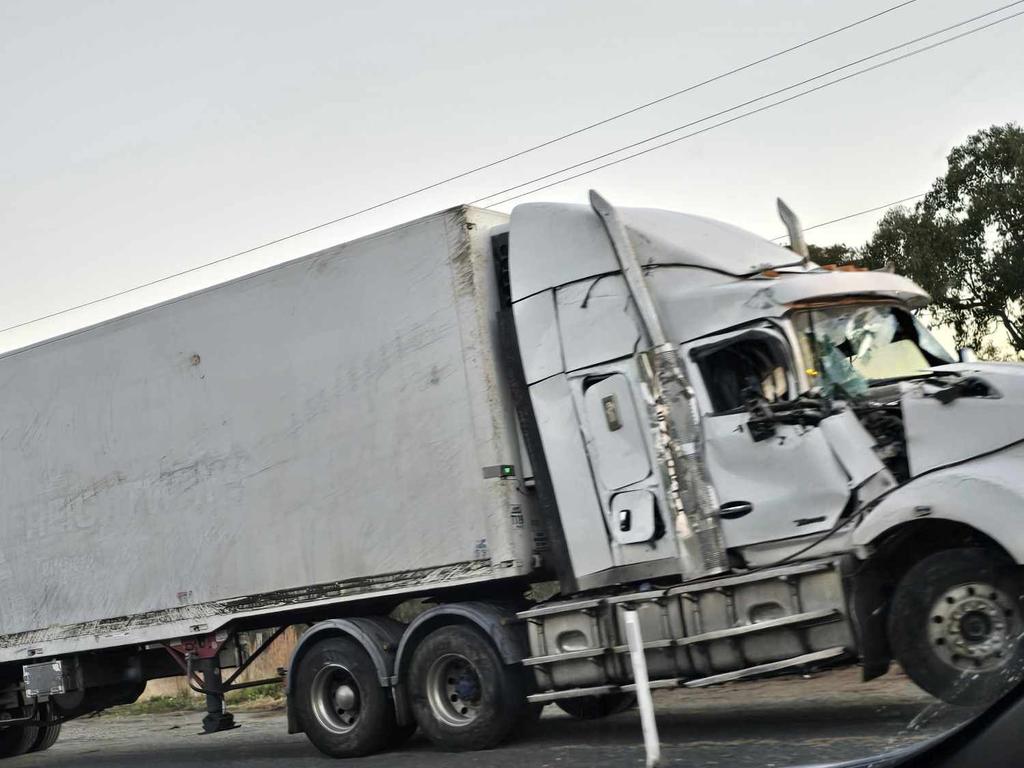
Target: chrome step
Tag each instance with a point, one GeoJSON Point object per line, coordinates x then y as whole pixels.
{"type": "Point", "coordinates": [554, 658]}
{"type": "Point", "coordinates": [650, 645]}
{"type": "Point", "coordinates": [822, 616]}
{"type": "Point", "coordinates": [762, 669]}
{"type": "Point", "coordinates": [783, 572]}
{"type": "Point", "coordinates": [573, 693]}
{"type": "Point", "coordinates": [724, 677]}
{"type": "Point", "coordinates": [553, 609]}
{"type": "Point", "coordinates": [671, 682]}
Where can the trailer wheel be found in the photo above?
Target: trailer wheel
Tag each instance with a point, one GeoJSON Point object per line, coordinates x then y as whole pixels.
{"type": "Point", "coordinates": [463, 695]}
{"type": "Point", "coordinates": [340, 703]}
{"type": "Point", "coordinates": [596, 707]}
{"type": "Point", "coordinates": [954, 625]}
{"type": "Point", "coordinates": [48, 734]}
{"type": "Point", "coordinates": [17, 739]}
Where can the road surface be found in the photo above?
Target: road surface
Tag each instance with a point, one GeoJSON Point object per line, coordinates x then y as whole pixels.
{"type": "Point", "coordinates": [830, 716]}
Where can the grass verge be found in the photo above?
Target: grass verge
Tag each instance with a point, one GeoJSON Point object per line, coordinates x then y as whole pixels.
{"type": "Point", "coordinates": [269, 696]}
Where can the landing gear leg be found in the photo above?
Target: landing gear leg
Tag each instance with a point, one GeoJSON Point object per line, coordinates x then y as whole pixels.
{"type": "Point", "coordinates": [217, 717]}
{"type": "Point", "coordinates": [200, 655]}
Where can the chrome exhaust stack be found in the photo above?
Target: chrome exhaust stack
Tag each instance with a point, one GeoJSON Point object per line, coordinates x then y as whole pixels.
{"type": "Point", "coordinates": [797, 244]}
{"type": "Point", "coordinates": [691, 495]}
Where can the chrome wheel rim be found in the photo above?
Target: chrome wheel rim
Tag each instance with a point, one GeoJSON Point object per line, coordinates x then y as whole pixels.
{"type": "Point", "coordinates": [335, 698]}
{"type": "Point", "coordinates": [454, 690]}
{"type": "Point", "coordinates": [973, 627]}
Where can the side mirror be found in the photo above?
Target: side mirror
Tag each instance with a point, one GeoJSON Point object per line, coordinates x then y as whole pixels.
{"type": "Point", "coordinates": [966, 355]}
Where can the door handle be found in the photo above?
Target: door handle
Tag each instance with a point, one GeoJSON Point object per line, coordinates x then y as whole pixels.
{"type": "Point", "coordinates": [734, 509]}
{"type": "Point", "coordinates": [625, 520]}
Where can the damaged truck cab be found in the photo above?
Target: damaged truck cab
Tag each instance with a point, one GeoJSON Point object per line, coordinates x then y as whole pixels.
{"type": "Point", "coordinates": [774, 463]}
{"type": "Point", "coordinates": [765, 465]}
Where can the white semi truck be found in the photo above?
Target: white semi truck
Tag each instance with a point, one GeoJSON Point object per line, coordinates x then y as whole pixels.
{"type": "Point", "coordinates": [774, 464]}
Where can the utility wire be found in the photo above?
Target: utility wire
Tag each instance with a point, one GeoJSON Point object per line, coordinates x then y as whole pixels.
{"type": "Point", "coordinates": [858, 213]}
{"type": "Point", "coordinates": [617, 116]}
{"type": "Point", "coordinates": [733, 108]}
{"type": "Point", "coordinates": [591, 170]}
{"type": "Point", "coordinates": [477, 169]}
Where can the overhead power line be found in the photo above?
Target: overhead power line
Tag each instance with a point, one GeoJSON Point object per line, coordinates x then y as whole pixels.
{"type": "Point", "coordinates": [477, 169]}
{"type": "Point", "coordinates": [583, 173]}
{"type": "Point", "coordinates": [750, 113]}
{"type": "Point", "coordinates": [610, 118]}
{"type": "Point", "coordinates": [821, 224]}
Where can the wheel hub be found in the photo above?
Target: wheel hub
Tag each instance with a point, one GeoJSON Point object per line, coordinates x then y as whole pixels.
{"type": "Point", "coordinates": [344, 698]}
{"type": "Point", "coordinates": [335, 698]}
{"type": "Point", "coordinates": [467, 688]}
{"type": "Point", "coordinates": [454, 690]}
{"type": "Point", "coordinates": [973, 627]}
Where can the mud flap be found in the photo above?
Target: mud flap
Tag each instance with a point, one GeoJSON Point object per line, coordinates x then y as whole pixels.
{"type": "Point", "coordinates": [868, 587]}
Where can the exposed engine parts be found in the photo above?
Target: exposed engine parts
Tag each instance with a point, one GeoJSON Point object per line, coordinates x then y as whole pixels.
{"type": "Point", "coordinates": [885, 423]}
{"type": "Point", "coordinates": [804, 411]}
{"type": "Point", "coordinates": [968, 386]}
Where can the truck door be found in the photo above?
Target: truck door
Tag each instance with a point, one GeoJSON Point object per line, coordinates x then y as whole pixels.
{"type": "Point", "coordinates": [621, 462]}
{"type": "Point", "coordinates": [577, 345]}
{"type": "Point", "coordinates": [787, 485]}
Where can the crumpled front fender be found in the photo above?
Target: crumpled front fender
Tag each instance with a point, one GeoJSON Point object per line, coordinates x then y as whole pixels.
{"type": "Point", "coordinates": [986, 493]}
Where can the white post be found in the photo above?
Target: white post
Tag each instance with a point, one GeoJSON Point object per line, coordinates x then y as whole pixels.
{"type": "Point", "coordinates": [643, 687]}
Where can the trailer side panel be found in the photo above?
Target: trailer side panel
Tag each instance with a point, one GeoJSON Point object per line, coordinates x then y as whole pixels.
{"type": "Point", "coordinates": [318, 422]}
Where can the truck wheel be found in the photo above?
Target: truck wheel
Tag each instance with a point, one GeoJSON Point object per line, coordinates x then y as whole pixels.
{"type": "Point", "coordinates": [954, 623]}
{"type": "Point", "coordinates": [463, 695]}
{"type": "Point", "coordinates": [340, 703]}
{"type": "Point", "coordinates": [17, 739]}
{"type": "Point", "coordinates": [48, 734]}
{"type": "Point", "coordinates": [596, 707]}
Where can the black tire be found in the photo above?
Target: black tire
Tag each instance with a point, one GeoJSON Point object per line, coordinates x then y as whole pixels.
{"type": "Point", "coordinates": [954, 622]}
{"type": "Point", "coordinates": [489, 696]}
{"type": "Point", "coordinates": [596, 707]}
{"type": "Point", "coordinates": [17, 739]}
{"type": "Point", "coordinates": [48, 734]}
{"type": "Point", "coordinates": [334, 674]}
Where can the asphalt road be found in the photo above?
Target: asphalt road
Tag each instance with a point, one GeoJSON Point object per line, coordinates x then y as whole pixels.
{"type": "Point", "coordinates": [793, 721]}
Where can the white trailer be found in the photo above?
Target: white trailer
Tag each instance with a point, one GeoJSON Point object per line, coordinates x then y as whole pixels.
{"type": "Point", "coordinates": [330, 429]}
{"type": "Point", "coordinates": [666, 414]}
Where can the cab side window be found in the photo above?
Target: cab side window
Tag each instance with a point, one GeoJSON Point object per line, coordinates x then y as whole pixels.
{"type": "Point", "coordinates": [746, 367]}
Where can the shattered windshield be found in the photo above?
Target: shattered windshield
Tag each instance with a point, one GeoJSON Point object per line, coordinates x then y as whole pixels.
{"type": "Point", "coordinates": [850, 347]}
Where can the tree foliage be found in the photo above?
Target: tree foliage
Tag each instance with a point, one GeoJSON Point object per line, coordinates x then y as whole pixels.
{"type": "Point", "coordinates": [964, 241]}
{"type": "Point", "coordinates": [840, 253]}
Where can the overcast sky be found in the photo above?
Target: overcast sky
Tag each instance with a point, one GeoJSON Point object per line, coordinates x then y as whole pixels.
{"type": "Point", "coordinates": [140, 138]}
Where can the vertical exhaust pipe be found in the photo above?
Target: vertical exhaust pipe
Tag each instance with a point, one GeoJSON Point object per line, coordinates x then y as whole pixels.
{"type": "Point", "coordinates": [797, 244]}
{"type": "Point", "coordinates": [681, 437]}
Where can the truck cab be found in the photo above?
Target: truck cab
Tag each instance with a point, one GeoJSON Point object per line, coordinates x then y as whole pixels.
{"type": "Point", "coordinates": [822, 424]}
